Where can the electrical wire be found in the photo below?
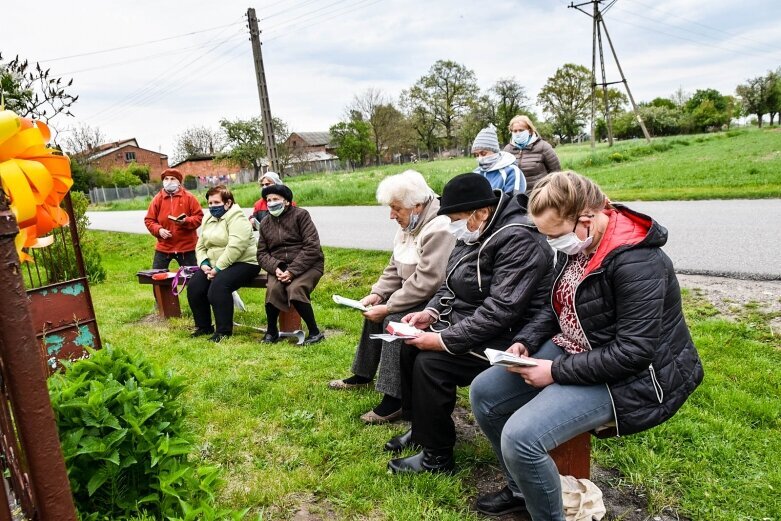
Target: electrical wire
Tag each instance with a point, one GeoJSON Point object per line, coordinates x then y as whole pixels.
{"type": "Point", "coordinates": [153, 84]}
{"type": "Point", "coordinates": [335, 14]}
{"type": "Point", "coordinates": [305, 15]}
{"type": "Point", "coordinates": [92, 53]}
{"type": "Point", "coordinates": [747, 51]}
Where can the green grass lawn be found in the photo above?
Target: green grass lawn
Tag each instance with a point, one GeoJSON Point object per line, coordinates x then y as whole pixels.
{"type": "Point", "coordinates": [264, 414]}
{"type": "Point", "coordinates": [742, 163]}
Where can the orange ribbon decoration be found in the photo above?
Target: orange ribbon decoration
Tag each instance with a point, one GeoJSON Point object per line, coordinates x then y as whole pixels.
{"type": "Point", "coordinates": [34, 177]}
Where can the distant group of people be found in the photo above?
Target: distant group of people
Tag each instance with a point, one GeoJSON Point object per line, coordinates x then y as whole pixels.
{"type": "Point", "coordinates": [516, 255]}
{"type": "Point", "coordinates": [229, 257]}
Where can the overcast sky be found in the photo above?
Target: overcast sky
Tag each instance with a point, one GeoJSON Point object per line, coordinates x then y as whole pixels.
{"type": "Point", "coordinates": [319, 53]}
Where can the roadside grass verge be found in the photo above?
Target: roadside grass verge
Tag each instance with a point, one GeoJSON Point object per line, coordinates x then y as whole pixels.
{"type": "Point", "coordinates": [285, 442]}
{"type": "Point", "coordinates": [743, 163]}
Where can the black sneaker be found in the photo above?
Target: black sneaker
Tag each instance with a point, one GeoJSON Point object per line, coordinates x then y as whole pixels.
{"type": "Point", "coordinates": [500, 503]}
{"type": "Point", "coordinates": [313, 339]}
{"type": "Point", "coordinates": [270, 338]}
{"type": "Point", "coordinates": [202, 332]}
{"type": "Point", "coordinates": [217, 338]}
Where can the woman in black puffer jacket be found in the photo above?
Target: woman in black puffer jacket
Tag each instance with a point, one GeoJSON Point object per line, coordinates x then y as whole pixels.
{"type": "Point", "coordinates": [612, 346]}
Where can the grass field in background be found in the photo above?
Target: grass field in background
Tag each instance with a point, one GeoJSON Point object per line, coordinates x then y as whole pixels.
{"type": "Point", "coordinates": [744, 163]}
{"type": "Point", "coordinates": [264, 414]}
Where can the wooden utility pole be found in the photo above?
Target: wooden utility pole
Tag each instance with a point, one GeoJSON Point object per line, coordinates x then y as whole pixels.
{"type": "Point", "coordinates": [265, 106]}
{"type": "Point", "coordinates": [597, 27]}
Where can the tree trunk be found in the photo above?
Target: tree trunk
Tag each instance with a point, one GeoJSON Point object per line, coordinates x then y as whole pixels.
{"type": "Point", "coordinates": [759, 120]}
{"type": "Point", "coordinates": [256, 167]}
{"type": "Point", "coordinates": [772, 117]}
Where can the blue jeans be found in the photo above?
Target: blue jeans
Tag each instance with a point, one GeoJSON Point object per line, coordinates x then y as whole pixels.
{"type": "Point", "coordinates": [523, 424]}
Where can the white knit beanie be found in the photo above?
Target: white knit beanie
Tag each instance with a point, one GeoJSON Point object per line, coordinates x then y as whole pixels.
{"type": "Point", "coordinates": [273, 176]}
{"type": "Point", "coordinates": [486, 140]}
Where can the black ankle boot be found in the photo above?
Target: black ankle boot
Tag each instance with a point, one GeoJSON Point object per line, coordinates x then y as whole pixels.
{"type": "Point", "coordinates": [400, 442]}
{"type": "Point", "coordinates": [500, 503]}
{"type": "Point", "coordinates": [424, 461]}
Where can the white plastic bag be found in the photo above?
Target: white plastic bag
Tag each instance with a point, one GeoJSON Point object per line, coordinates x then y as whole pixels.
{"type": "Point", "coordinates": [237, 302]}
{"type": "Point", "coordinates": [582, 499]}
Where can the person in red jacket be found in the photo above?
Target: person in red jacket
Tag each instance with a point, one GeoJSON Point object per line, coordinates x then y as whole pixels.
{"type": "Point", "coordinates": [173, 218]}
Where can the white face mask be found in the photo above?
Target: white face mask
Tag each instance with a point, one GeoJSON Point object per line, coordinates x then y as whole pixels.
{"type": "Point", "coordinates": [170, 186]}
{"type": "Point", "coordinates": [461, 232]}
{"type": "Point", "coordinates": [487, 163]}
{"type": "Point", "coordinates": [521, 139]}
{"type": "Point", "coordinates": [414, 219]}
{"type": "Point", "coordinates": [570, 244]}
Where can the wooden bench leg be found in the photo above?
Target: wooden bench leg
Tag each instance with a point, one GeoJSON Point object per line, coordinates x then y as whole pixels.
{"type": "Point", "coordinates": [573, 458]}
{"type": "Point", "coordinates": [289, 320]}
{"type": "Point", "coordinates": [167, 302]}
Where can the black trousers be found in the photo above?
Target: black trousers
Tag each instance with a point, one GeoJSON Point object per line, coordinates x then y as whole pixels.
{"type": "Point", "coordinates": [202, 293]}
{"type": "Point", "coordinates": [163, 260]}
{"type": "Point", "coordinates": [429, 380]}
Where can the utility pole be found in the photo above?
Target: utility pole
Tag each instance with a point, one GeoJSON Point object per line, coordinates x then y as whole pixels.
{"type": "Point", "coordinates": [597, 27]}
{"type": "Point", "coordinates": [265, 106]}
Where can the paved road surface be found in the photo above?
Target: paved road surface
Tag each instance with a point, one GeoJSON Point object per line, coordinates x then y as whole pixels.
{"type": "Point", "coordinates": [731, 238]}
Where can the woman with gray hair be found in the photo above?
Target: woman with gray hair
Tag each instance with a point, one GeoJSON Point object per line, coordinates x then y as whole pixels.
{"type": "Point", "coordinates": [414, 273]}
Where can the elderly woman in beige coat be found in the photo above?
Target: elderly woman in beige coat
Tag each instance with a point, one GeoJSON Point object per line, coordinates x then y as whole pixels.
{"type": "Point", "coordinates": [414, 273]}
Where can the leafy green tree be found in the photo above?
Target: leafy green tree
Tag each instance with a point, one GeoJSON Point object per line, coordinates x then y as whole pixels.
{"type": "Point", "coordinates": [422, 122]}
{"type": "Point", "coordinates": [353, 141]}
{"type": "Point", "coordinates": [482, 113]}
{"type": "Point", "coordinates": [663, 102]}
{"type": "Point", "coordinates": [509, 99]}
{"type": "Point", "coordinates": [774, 94]}
{"type": "Point", "coordinates": [566, 98]}
{"type": "Point", "coordinates": [753, 97]}
{"type": "Point", "coordinates": [32, 91]}
{"type": "Point", "coordinates": [446, 93]}
{"type": "Point", "coordinates": [246, 145]}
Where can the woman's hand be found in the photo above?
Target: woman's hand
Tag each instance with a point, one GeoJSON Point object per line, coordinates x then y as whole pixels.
{"type": "Point", "coordinates": [518, 349]}
{"type": "Point", "coordinates": [426, 342]}
{"type": "Point", "coordinates": [211, 273]}
{"type": "Point", "coordinates": [376, 313]}
{"type": "Point", "coordinates": [371, 300]}
{"type": "Point", "coordinates": [206, 268]}
{"type": "Point", "coordinates": [538, 376]}
{"type": "Point", "coordinates": [420, 319]}
{"type": "Point", "coordinates": [284, 276]}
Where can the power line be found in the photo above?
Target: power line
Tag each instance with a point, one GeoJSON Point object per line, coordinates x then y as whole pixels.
{"type": "Point", "coordinates": [698, 42]}
{"type": "Point", "coordinates": [288, 9]}
{"type": "Point", "coordinates": [335, 14]}
{"type": "Point", "coordinates": [92, 53]}
{"type": "Point", "coordinates": [151, 86]}
{"type": "Point", "coordinates": [305, 15]}
{"type": "Point", "coordinates": [747, 52]}
{"type": "Point", "coordinates": [134, 60]}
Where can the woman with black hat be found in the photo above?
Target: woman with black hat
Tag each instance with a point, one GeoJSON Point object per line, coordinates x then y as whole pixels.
{"type": "Point", "coordinates": [498, 276]}
{"type": "Point", "coordinates": [289, 250]}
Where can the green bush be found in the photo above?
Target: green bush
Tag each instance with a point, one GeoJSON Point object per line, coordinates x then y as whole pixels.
{"type": "Point", "coordinates": [617, 157]}
{"type": "Point", "coordinates": [140, 171]}
{"type": "Point", "coordinates": [122, 430]}
{"type": "Point", "coordinates": [123, 177]}
{"type": "Point", "coordinates": [190, 182]}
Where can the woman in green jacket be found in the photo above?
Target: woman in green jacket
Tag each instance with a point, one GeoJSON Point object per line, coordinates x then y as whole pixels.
{"type": "Point", "coordinates": [227, 256]}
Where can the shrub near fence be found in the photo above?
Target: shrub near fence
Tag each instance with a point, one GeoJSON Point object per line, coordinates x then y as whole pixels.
{"type": "Point", "coordinates": [108, 194]}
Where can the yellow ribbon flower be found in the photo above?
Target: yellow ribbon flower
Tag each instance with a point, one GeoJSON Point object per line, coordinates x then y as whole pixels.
{"type": "Point", "coordinates": [34, 177]}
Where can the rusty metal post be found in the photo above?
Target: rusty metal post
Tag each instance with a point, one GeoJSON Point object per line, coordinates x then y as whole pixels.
{"type": "Point", "coordinates": [26, 384]}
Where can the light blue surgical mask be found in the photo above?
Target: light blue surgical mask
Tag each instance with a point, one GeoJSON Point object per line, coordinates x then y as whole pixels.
{"type": "Point", "coordinates": [487, 162]}
{"type": "Point", "coordinates": [521, 139]}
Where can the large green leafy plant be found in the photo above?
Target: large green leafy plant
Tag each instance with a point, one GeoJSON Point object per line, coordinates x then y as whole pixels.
{"type": "Point", "coordinates": [125, 442]}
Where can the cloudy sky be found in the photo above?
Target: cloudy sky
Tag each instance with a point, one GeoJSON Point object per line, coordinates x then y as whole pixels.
{"type": "Point", "coordinates": [149, 69]}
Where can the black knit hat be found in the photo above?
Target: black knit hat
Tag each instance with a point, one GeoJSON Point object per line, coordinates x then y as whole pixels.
{"type": "Point", "coordinates": [466, 192]}
{"type": "Point", "coordinates": [281, 190]}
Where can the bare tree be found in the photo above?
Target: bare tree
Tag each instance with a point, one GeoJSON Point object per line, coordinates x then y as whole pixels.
{"type": "Point", "coordinates": [32, 91]}
{"type": "Point", "coordinates": [368, 104]}
{"type": "Point", "coordinates": [83, 138]}
{"type": "Point", "coordinates": [198, 142]}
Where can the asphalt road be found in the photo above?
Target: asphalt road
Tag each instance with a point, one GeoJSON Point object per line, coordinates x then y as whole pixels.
{"type": "Point", "coordinates": [735, 238]}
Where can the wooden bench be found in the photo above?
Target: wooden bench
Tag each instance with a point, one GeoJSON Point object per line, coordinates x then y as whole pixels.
{"type": "Point", "coordinates": [168, 303]}
{"type": "Point", "coordinates": [573, 458]}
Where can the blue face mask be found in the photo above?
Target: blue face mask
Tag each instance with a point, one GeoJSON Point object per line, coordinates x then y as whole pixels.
{"type": "Point", "coordinates": [217, 211]}
{"type": "Point", "coordinates": [521, 139]}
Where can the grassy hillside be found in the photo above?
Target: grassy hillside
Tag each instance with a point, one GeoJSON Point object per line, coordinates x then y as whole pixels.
{"type": "Point", "coordinates": [742, 163]}
{"type": "Point", "coordinates": [287, 444]}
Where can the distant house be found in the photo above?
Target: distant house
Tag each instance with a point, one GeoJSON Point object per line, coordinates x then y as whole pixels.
{"type": "Point", "coordinates": [121, 153]}
{"type": "Point", "coordinates": [206, 166]}
{"type": "Point", "coordinates": [312, 151]}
